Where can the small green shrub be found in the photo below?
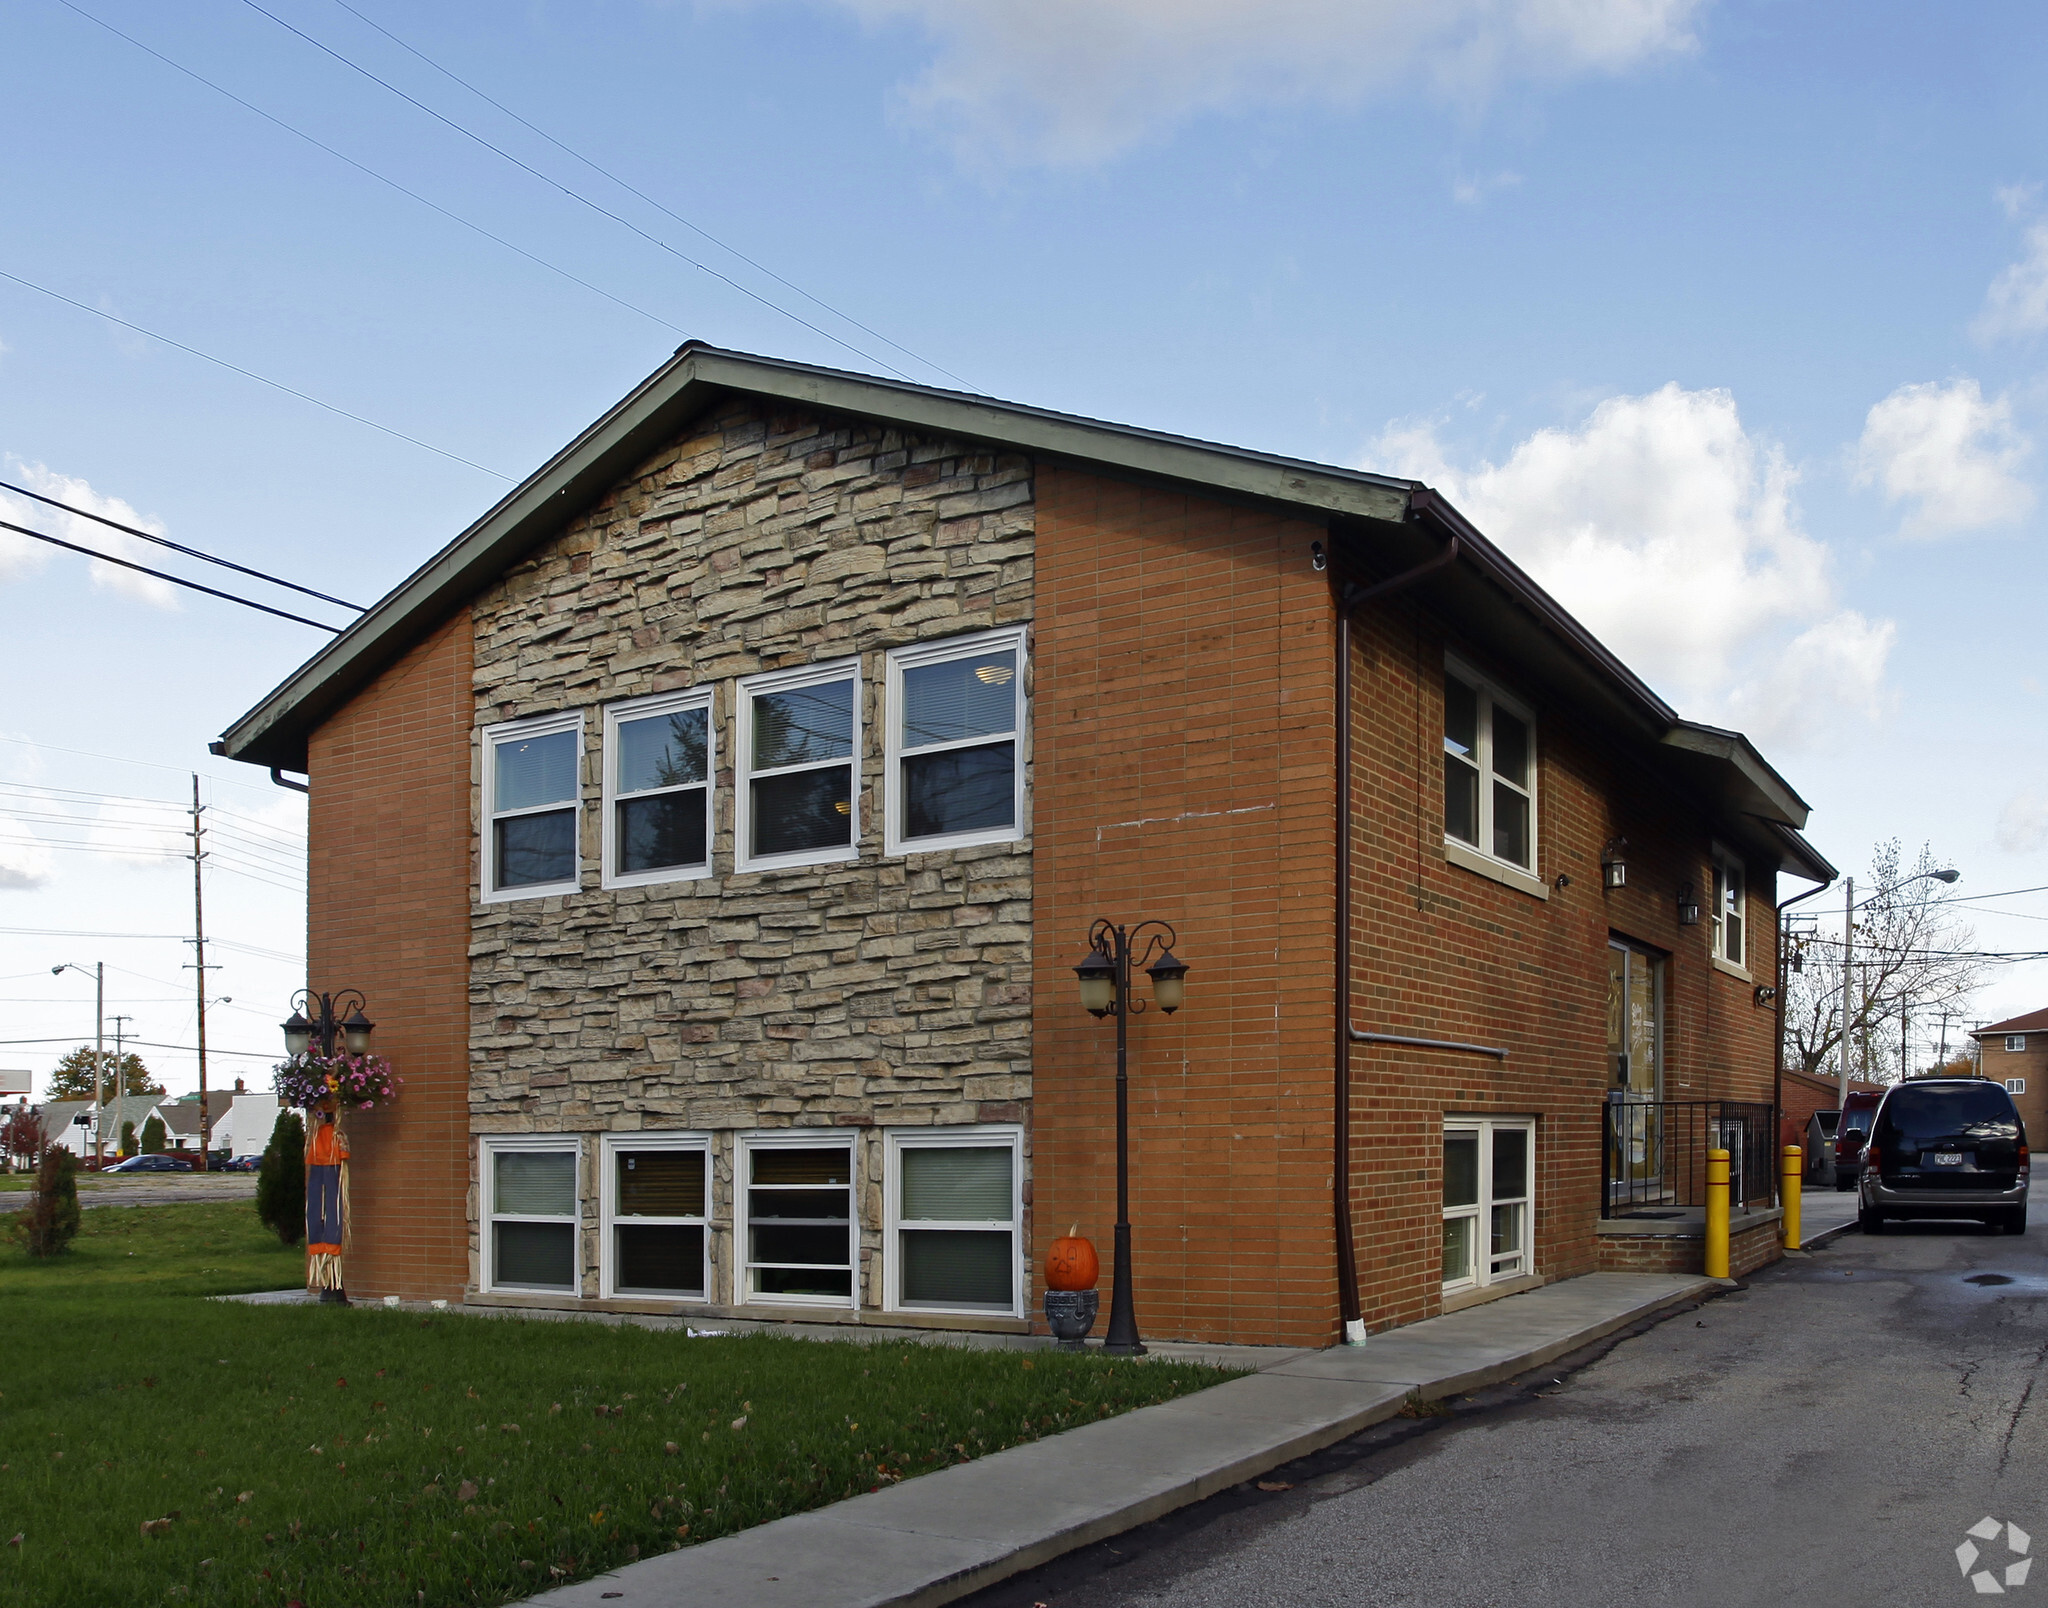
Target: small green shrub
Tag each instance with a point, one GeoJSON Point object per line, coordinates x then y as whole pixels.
{"type": "Point", "coordinates": [45, 1226]}
{"type": "Point", "coordinates": [127, 1140]}
{"type": "Point", "coordinates": [281, 1180]}
{"type": "Point", "coordinates": [154, 1137]}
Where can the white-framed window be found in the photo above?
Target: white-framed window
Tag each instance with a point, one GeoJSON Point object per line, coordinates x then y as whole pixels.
{"type": "Point", "coordinates": [1489, 769]}
{"type": "Point", "coordinates": [532, 1213]}
{"type": "Point", "coordinates": [2015, 1085]}
{"type": "Point", "coordinates": [798, 1235]}
{"type": "Point", "coordinates": [799, 767]}
{"type": "Point", "coordinates": [953, 1220]}
{"type": "Point", "coordinates": [660, 755]}
{"type": "Point", "coordinates": [1731, 913]}
{"type": "Point", "coordinates": [532, 795]}
{"type": "Point", "coordinates": [2015, 1043]}
{"type": "Point", "coordinates": [954, 724]}
{"type": "Point", "coordinates": [657, 1215]}
{"type": "Point", "coordinates": [1489, 1200]}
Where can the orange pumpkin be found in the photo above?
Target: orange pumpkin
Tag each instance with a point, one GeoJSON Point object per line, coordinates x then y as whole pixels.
{"type": "Point", "coordinates": [1071, 1264]}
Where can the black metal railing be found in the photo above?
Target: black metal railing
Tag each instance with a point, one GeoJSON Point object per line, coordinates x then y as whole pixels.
{"type": "Point", "coordinates": [1654, 1158]}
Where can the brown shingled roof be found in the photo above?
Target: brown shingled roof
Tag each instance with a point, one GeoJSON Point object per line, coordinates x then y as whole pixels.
{"type": "Point", "coordinates": [2032, 1022]}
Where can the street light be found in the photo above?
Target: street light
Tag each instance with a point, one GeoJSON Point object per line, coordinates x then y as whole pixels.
{"type": "Point", "coordinates": [1946, 874]}
{"type": "Point", "coordinates": [327, 1024]}
{"type": "Point", "coordinates": [1105, 978]}
{"type": "Point", "coordinates": [99, 1047]}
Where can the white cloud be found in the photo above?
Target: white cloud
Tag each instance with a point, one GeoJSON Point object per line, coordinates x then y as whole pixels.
{"type": "Point", "coordinates": [23, 864]}
{"type": "Point", "coordinates": [2017, 302]}
{"type": "Point", "coordinates": [1944, 449]}
{"type": "Point", "coordinates": [1672, 532]}
{"type": "Point", "coordinates": [1075, 81]}
{"type": "Point", "coordinates": [20, 553]}
{"type": "Point", "coordinates": [2023, 823]}
{"type": "Point", "coordinates": [1471, 190]}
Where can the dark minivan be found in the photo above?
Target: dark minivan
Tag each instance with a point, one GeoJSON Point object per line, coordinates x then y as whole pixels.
{"type": "Point", "coordinates": [1852, 1129]}
{"type": "Point", "coordinates": [1945, 1147]}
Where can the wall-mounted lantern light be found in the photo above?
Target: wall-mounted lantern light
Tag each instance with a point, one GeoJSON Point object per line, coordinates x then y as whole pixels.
{"type": "Point", "coordinates": [1688, 907]}
{"type": "Point", "coordinates": [1098, 983]}
{"type": "Point", "coordinates": [298, 1033]}
{"type": "Point", "coordinates": [1614, 863]}
{"type": "Point", "coordinates": [1169, 974]}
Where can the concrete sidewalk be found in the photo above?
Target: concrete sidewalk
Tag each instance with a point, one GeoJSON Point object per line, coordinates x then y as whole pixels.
{"type": "Point", "coordinates": [941, 1536]}
{"type": "Point", "coordinates": [1825, 1214]}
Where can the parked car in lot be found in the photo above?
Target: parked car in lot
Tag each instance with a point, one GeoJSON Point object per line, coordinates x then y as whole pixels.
{"type": "Point", "coordinates": [143, 1164]}
{"type": "Point", "coordinates": [1945, 1147]}
{"type": "Point", "coordinates": [1852, 1132]}
{"type": "Point", "coordinates": [241, 1164]}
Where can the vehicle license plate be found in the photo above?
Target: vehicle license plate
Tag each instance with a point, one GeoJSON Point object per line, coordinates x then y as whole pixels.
{"type": "Point", "coordinates": [1948, 1158]}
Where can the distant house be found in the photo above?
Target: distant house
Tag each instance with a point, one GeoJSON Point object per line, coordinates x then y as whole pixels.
{"type": "Point", "coordinates": [244, 1128]}
{"type": "Point", "coordinates": [2015, 1052]}
{"type": "Point", "coordinates": [714, 828]}
{"type": "Point", "coordinates": [181, 1121]}
{"type": "Point", "coordinates": [61, 1125]}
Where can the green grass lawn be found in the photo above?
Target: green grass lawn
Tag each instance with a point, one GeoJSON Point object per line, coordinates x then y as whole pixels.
{"type": "Point", "coordinates": [332, 1456]}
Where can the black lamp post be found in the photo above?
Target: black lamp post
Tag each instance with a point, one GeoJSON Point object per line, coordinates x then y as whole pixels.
{"type": "Point", "coordinates": [1105, 989]}
{"type": "Point", "coordinates": [327, 1023]}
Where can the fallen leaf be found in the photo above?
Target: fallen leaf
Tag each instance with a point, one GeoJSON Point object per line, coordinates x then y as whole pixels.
{"type": "Point", "coordinates": [509, 1429]}
{"type": "Point", "coordinates": [152, 1527]}
{"type": "Point", "coordinates": [1275, 1485]}
{"type": "Point", "coordinates": [244, 1496]}
{"type": "Point", "coordinates": [466, 1491]}
{"type": "Point", "coordinates": [740, 1422]}
{"type": "Point", "coordinates": [670, 1447]}
{"type": "Point", "coordinates": [15, 1539]}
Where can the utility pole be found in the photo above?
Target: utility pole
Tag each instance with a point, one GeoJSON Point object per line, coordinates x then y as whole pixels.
{"type": "Point", "coordinates": [120, 1039]}
{"type": "Point", "coordinates": [1848, 981]}
{"type": "Point", "coordinates": [99, 1061]}
{"type": "Point", "coordinates": [199, 967]}
{"type": "Point", "coordinates": [1905, 1015]}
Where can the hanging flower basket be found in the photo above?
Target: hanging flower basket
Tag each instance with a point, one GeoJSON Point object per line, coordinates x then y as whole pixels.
{"type": "Point", "coordinates": [351, 1082]}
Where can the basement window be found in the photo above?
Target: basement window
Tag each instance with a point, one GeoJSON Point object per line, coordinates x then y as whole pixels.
{"type": "Point", "coordinates": [798, 1228]}
{"type": "Point", "coordinates": [1489, 1200]}
{"type": "Point", "coordinates": [956, 777]}
{"type": "Point", "coordinates": [1489, 771]}
{"type": "Point", "coordinates": [657, 1195]}
{"type": "Point", "coordinates": [799, 743]}
{"type": "Point", "coordinates": [658, 764]}
{"type": "Point", "coordinates": [955, 1212]}
{"type": "Point", "coordinates": [532, 1213]}
{"type": "Point", "coordinates": [531, 807]}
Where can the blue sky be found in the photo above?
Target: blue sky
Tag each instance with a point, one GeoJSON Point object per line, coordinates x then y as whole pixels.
{"type": "Point", "coordinates": [1729, 319]}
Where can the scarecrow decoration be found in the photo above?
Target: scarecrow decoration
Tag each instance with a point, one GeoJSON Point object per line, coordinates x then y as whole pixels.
{"type": "Point", "coordinates": [325, 1085]}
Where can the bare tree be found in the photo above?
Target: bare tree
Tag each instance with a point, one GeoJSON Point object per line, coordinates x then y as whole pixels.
{"type": "Point", "coordinates": [1912, 955]}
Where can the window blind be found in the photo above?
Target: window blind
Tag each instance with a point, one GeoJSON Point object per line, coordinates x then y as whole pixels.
{"type": "Point", "coordinates": [534, 1183]}
{"type": "Point", "coordinates": [535, 770]}
{"type": "Point", "coordinates": [967, 1184]}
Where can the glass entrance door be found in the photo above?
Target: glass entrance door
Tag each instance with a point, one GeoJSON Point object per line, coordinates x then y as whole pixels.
{"type": "Point", "coordinates": [1635, 1061]}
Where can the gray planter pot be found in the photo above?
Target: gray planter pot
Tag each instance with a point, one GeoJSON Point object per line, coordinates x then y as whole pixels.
{"type": "Point", "coordinates": [1071, 1314]}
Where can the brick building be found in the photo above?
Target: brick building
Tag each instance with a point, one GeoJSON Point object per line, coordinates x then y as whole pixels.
{"type": "Point", "coordinates": [714, 826]}
{"type": "Point", "coordinates": [2015, 1053]}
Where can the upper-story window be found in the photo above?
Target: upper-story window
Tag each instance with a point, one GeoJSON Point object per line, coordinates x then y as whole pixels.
{"type": "Point", "coordinates": [955, 713]}
{"type": "Point", "coordinates": [658, 765]}
{"type": "Point", "coordinates": [1731, 925]}
{"type": "Point", "coordinates": [530, 807]}
{"type": "Point", "coordinates": [1489, 770]}
{"type": "Point", "coordinates": [2015, 1043]}
{"type": "Point", "coordinates": [799, 748]}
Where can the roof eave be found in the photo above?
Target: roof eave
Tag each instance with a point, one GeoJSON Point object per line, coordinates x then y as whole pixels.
{"type": "Point", "coordinates": [274, 733]}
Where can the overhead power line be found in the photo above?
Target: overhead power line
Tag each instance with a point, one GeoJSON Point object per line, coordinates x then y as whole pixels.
{"type": "Point", "coordinates": [146, 764]}
{"type": "Point", "coordinates": [576, 195]}
{"type": "Point", "coordinates": [632, 190]}
{"type": "Point", "coordinates": [260, 379]}
{"type": "Point", "coordinates": [175, 580]}
{"type": "Point", "coordinates": [189, 552]}
{"type": "Point", "coordinates": [381, 178]}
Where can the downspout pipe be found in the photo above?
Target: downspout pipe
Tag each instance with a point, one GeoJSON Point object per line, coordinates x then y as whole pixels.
{"type": "Point", "coordinates": [1778, 1041]}
{"type": "Point", "coordinates": [1349, 597]}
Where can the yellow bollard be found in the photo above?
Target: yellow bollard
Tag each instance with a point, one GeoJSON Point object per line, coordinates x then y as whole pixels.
{"type": "Point", "coordinates": [1717, 1214]}
{"type": "Point", "coordinates": [1788, 1193]}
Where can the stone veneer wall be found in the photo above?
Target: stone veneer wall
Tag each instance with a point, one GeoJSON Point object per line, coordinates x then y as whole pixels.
{"type": "Point", "coordinates": [891, 991]}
